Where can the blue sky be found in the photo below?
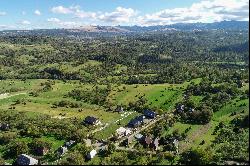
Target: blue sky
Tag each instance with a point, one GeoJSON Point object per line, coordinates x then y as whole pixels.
{"type": "Point", "coordinates": [32, 14]}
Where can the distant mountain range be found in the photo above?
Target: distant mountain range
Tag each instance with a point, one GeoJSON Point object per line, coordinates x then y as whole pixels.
{"type": "Point", "coordinates": [112, 30]}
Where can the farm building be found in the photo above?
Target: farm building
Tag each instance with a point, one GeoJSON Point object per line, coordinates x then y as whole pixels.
{"type": "Point", "coordinates": [149, 114]}
{"type": "Point", "coordinates": [24, 159]}
{"type": "Point", "coordinates": [91, 120]}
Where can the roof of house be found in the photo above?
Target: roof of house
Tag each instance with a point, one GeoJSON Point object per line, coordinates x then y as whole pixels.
{"type": "Point", "coordinates": [90, 120]}
{"type": "Point", "coordinates": [69, 143]}
{"type": "Point", "coordinates": [148, 140]}
{"type": "Point", "coordinates": [24, 159]}
{"type": "Point", "coordinates": [149, 113]}
{"type": "Point", "coordinates": [92, 154]}
{"type": "Point", "coordinates": [134, 122]}
{"type": "Point", "coordinates": [138, 136]}
{"type": "Point", "coordinates": [156, 142]}
{"type": "Point", "coordinates": [140, 118]}
{"type": "Point", "coordinates": [62, 149]}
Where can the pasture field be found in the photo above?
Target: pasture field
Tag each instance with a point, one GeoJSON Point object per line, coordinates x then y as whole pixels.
{"type": "Point", "coordinates": [162, 96]}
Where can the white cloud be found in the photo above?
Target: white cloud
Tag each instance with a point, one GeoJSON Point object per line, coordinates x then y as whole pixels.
{"type": "Point", "coordinates": [53, 20]}
{"type": "Point", "coordinates": [204, 11]}
{"type": "Point", "coordinates": [61, 10]}
{"type": "Point", "coordinates": [2, 13]}
{"type": "Point", "coordinates": [37, 12]}
{"type": "Point", "coordinates": [65, 24]}
{"type": "Point", "coordinates": [119, 15]}
{"type": "Point", "coordinates": [25, 22]}
{"type": "Point", "coordinates": [75, 10]}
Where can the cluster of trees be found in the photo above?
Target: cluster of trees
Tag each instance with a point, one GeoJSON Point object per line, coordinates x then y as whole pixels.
{"type": "Point", "coordinates": [22, 125]}
{"type": "Point", "coordinates": [189, 113]}
{"type": "Point", "coordinates": [97, 95]}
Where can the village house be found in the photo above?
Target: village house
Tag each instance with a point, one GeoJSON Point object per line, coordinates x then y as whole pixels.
{"type": "Point", "coordinates": [24, 159]}
{"type": "Point", "coordinates": [150, 142]}
{"type": "Point", "coordinates": [137, 121]}
{"type": "Point", "coordinates": [149, 114]}
{"type": "Point", "coordinates": [91, 154]}
{"type": "Point", "coordinates": [62, 150]}
{"type": "Point", "coordinates": [91, 120]}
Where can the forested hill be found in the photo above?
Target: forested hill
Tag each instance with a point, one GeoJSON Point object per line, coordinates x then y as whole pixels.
{"type": "Point", "coordinates": [106, 31]}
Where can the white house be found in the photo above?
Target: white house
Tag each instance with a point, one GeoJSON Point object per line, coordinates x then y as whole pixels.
{"type": "Point", "coordinates": [92, 154]}
{"type": "Point", "coordinates": [123, 131]}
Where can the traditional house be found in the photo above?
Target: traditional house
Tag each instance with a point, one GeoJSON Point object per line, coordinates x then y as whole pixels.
{"type": "Point", "coordinates": [149, 114]}
{"type": "Point", "coordinates": [92, 154]}
{"type": "Point", "coordinates": [62, 150]}
{"type": "Point", "coordinates": [24, 159]}
{"type": "Point", "coordinates": [91, 120]}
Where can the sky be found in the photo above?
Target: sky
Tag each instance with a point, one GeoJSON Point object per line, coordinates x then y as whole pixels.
{"type": "Point", "coordinates": [45, 14]}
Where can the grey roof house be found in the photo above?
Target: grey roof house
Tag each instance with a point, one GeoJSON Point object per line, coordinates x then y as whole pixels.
{"type": "Point", "coordinates": [149, 114]}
